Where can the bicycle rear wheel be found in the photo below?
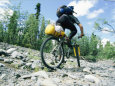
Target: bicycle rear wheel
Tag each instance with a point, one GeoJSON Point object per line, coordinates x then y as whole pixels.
{"type": "Point", "coordinates": [52, 53]}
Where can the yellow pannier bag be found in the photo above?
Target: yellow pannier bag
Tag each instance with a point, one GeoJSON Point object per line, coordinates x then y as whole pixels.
{"type": "Point", "coordinates": [50, 30]}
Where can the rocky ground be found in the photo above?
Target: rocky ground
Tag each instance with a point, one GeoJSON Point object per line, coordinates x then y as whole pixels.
{"type": "Point", "coordinates": [22, 67]}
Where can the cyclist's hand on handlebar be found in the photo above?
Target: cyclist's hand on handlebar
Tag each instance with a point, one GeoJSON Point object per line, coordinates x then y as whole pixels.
{"type": "Point", "coordinates": [81, 36]}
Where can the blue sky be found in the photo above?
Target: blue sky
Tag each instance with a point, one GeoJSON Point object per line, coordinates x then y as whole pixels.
{"type": "Point", "coordinates": [88, 11]}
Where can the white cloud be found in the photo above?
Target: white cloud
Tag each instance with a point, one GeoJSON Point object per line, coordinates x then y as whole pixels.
{"type": "Point", "coordinates": [106, 30]}
{"type": "Point", "coordinates": [104, 41]}
{"type": "Point", "coordinates": [4, 2]}
{"type": "Point", "coordinates": [4, 10]}
{"type": "Point", "coordinates": [82, 7]}
{"type": "Point", "coordinates": [95, 13]}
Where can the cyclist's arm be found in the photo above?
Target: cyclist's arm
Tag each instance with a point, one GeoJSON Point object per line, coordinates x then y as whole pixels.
{"type": "Point", "coordinates": [80, 25]}
{"type": "Point", "coordinates": [81, 29]}
{"type": "Point", "coordinates": [75, 20]}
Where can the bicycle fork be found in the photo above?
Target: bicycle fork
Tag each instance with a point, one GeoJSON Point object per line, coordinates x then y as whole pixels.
{"type": "Point", "coordinates": [76, 50]}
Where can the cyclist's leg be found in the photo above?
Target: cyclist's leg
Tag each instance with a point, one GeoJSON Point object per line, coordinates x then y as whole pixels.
{"type": "Point", "coordinates": [73, 30]}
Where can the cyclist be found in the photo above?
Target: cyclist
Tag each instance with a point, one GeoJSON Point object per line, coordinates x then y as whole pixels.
{"type": "Point", "coordinates": [66, 19]}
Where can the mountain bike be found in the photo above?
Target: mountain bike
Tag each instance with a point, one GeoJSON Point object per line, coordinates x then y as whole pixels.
{"type": "Point", "coordinates": [53, 50]}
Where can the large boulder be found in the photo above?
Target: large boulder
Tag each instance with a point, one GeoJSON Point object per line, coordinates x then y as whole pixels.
{"type": "Point", "coordinates": [9, 61]}
{"type": "Point", "coordinates": [17, 55]}
{"type": "Point", "coordinates": [36, 64]}
{"type": "Point", "coordinates": [93, 79]}
{"type": "Point", "coordinates": [11, 50]}
{"type": "Point", "coordinates": [3, 52]}
{"type": "Point", "coordinates": [2, 65]}
{"type": "Point", "coordinates": [1, 59]}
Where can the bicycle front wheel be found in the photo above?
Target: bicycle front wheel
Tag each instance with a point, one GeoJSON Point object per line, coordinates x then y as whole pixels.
{"type": "Point", "coordinates": [52, 53]}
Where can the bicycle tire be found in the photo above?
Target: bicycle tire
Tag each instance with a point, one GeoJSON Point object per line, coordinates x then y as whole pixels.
{"type": "Point", "coordinates": [43, 56]}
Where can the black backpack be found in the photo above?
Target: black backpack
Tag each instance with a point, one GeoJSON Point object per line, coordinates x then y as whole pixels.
{"type": "Point", "coordinates": [58, 13]}
{"type": "Point", "coordinates": [65, 10]}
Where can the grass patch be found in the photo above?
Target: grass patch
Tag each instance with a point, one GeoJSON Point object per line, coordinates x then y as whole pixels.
{"type": "Point", "coordinates": [91, 58]}
{"type": "Point", "coordinates": [36, 69]}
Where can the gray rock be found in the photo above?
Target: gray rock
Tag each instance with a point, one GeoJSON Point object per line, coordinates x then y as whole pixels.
{"type": "Point", "coordinates": [87, 69]}
{"type": "Point", "coordinates": [41, 74]}
{"type": "Point", "coordinates": [103, 74]}
{"type": "Point", "coordinates": [18, 63]}
{"type": "Point", "coordinates": [112, 69]}
{"type": "Point", "coordinates": [93, 79]}
{"type": "Point", "coordinates": [47, 82]}
{"type": "Point", "coordinates": [90, 78]}
{"type": "Point", "coordinates": [2, 76]}
{"type": "Point", "coordinates": [11, 84]}
{"type": "Point", "coordinates": [57, 80]}
{"type": "Point", "coordinates": [35, 64]}
{"type": "Point", "coordinates": [38, 83]}
{"type": "Point", "coordinates": [17, 55]}
{"type": "Point", "coordinates": [20, 57]}
{"type": "Point", "coordinates": [34, 78]}
{"type": "Point", "coordinates": [3, 52]}
{"type": "Point", "coordinates": [64, 75]}
{"type": "Point", "coordinates": [72, 76]}
{"type": "Point", "coordinates": [26, 53]}
{"type": "Point", "coordinates": [72, 60]}
{"type": "Point", "coordinates": [9, 61]}
{"type": "Point", "coordinates": [17, 76]}
{"type": "Point", "coordinates": [11, 50]}
{"type": "Point", "coordinates": [2, 65]}
{"type": "Point", "coordinates": [28, 64]}
{"type": "Point", "coordinates": [1, 59]}
{"type": "Point", "coordinates": [26, 77]}
{"type": "Point", "coordinates": [25, 59]}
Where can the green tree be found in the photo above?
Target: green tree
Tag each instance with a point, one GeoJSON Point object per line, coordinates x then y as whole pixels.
{"type": "Point", "coordinates": [100, 50]}
{"type": "Point", "coordinates": [109, 51]}
{"type": "Point", "coordinates": [31, 32]}
{"type": "Point", "coordinates": [42, 36]}
{"type": "Point", "coordinates": [1, 32]}
{"type": "Point", "coordinates": [21, 26]}
{"type": "Point", "coordinates": [84, 45]}
{"type": "Point", "coordinates": [38, 10]}
{"type": "Point", "coordinates": [93, 45]}
{"type": "Point", "coordinates": [42, 29]}
{"type": "Point", "coordinates": [12, 27]}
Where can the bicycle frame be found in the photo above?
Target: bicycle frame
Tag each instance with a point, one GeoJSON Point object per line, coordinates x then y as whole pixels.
{"type": "Point", "coordinates": [76, 48]}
